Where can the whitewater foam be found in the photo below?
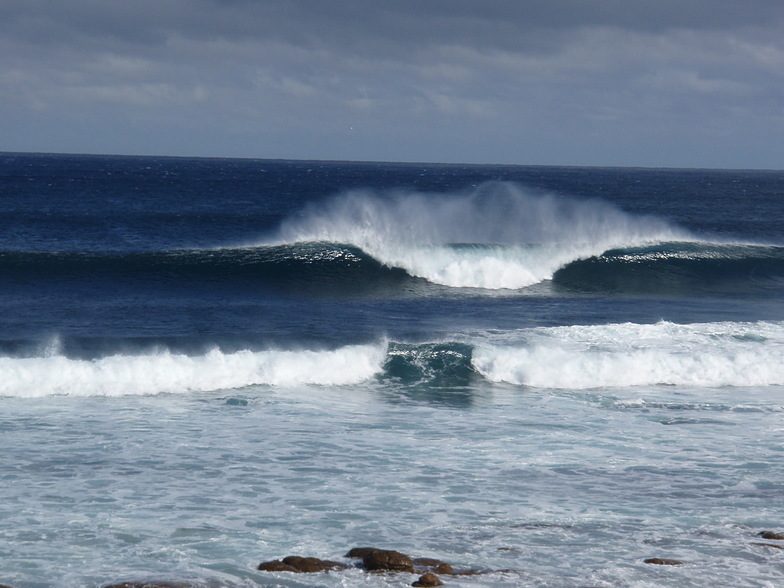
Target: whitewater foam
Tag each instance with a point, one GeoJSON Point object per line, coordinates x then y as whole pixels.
{"type": "Point", "coordinates": [627, 355]}
{"type": "Point", "coordinates": [164, 371]}
{"type": "Point", "coordinates": [512, 237]}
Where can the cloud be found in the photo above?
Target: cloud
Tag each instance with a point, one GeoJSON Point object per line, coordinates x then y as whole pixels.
{"type": "Point", "coordinates": [551, 81]}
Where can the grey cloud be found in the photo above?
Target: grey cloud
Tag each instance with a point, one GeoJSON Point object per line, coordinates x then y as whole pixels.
{"type": "Point", "coordinates": [399, 79]}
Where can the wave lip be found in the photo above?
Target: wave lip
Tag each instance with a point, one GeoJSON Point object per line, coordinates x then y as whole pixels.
{"type": "Point", "coordinates": [166, 372]}
{"type": "Point", "coordinates": [497, 236]}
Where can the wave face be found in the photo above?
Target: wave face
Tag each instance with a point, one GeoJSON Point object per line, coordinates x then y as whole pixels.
{"type": "Point", "coordinates": [496, 236]}
{"type": "Point", "coordinates": [334, 269]}
{"type": "Point", "coordinates": [677, 268]}
{"type": "Point", "coordinates": [316, 268]}
{"type": "Point", "coordinates": [620, 355]}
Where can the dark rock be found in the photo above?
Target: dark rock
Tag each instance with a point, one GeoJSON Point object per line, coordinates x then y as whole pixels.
{"type": "Point", "coordinates": [769, 545]}
{"type": "Point", "coordinates": [311, 565]}
{"type": "Point", "coordinates": [361, 552]}
{"type": "Point", "coordinates": [276, 566]}
{"type": "Point", "coordinates": [663, 562]}
{"type": "Point", "coordinates": [300, 565]}
{"type": "Point", "coordinates": [771, 535]}
{"type": "Point", "coordinates": [428, 579]}
{"type": "Point", "coordinates": [426, 564]}
{"type": "Point", "coordinates": [383, 559]}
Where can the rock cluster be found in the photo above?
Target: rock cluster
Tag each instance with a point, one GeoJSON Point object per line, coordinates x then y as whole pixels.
{"type": "Point", "coordinates": [302, 565]}
{"type": "Point", "coordinates": [372, 560]}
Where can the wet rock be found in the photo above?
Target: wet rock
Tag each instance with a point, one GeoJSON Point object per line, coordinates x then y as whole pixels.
{"type": "Point", "coordinates": [771, 535]}
{"type": "Point", "coordinates": [769, 545]}
{"type": "Point", "coordinates": [663, 562]}
{"type": "Point", "coordinates": [361, 552]}
{"type": "Point", "coordinates": [387, 559]}
{"type": "Point", "coordinates": [301, 565]}
{"type": "Point", "coordinates": [309, 565]}
{"type": "Point", "coordinates": [426, 564]}
{"type": "Point", "coordinates": [275, 566]}
{"type": "Point", "coordinates": [428, 579]}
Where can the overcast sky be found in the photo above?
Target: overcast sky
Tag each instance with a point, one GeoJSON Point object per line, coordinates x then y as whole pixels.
{"type": "Point", "coordinates": [681, 83]}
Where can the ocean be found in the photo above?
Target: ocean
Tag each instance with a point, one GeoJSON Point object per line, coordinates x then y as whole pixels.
{"type": "Point", "coordinates": [546, 375]}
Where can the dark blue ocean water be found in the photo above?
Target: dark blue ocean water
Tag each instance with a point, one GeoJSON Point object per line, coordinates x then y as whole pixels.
{"type": "Point", "coordinates": [553, 369]}
{"type": "Point", "coordinates": [161, 249]}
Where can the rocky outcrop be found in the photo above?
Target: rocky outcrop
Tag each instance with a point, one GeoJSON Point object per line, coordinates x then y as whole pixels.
{"type": "Point", "coordinates": [771, 535]}
{"type": "Point", "coordinates": [377, 560]}
{"type": "Point", "coordinates": [301, 565]}
{"type": "Point", "coordinates": [428, 579]}
{"type": "Point", "coordinates": [663, 562]}
{"type": "Point", "coordinates": [426, 564]}
{"type": "Point", "coordinates": [360, 552]}
{"type": "Point", "coordinates": [387, 560]}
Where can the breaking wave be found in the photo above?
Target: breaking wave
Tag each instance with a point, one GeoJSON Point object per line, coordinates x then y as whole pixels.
{"type": "Point", "coordinates": [575, 357]}
{"type": "Point", "coordinates": [628, 354]}
{"type": "Point", "coordinates": [496, 236]}
{"type": "Point", "coordinates": [166, 372]}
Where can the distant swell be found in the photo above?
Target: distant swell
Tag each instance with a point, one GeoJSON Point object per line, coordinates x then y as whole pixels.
{"type": "Point", "coordinates": [574, 358]}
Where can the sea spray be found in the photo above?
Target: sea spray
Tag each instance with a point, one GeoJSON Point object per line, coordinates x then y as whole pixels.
{"type": "Point", "coordinates": [164, 371]}
{"type": "Point", "coordinates": [498, 235]}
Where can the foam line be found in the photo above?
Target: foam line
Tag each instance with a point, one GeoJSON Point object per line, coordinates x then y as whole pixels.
{"type": "Point", "coordinates": [626, 355]}
{"type": "Point", "coordinates": [119, 375]}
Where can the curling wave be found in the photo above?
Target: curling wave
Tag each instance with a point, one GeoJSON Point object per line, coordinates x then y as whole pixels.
{"type": "Point", "coordinates": [333, 269]}
{"type": "Point", "coordinates": [496, 236]}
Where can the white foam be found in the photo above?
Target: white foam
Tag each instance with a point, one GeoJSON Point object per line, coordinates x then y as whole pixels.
{"type": "Point", "coordinates": [626, 355]}
{"type": "Point", "coordinates": [520, 237]}
{"type": "Point", "coordinates": [119, 375]}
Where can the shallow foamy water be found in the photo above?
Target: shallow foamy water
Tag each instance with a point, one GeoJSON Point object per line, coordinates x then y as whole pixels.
{"type": "Point", "coordinates": [567, 487]}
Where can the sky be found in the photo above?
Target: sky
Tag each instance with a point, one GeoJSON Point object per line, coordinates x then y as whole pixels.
{"type": "Point", "coordinates": [655, 83]}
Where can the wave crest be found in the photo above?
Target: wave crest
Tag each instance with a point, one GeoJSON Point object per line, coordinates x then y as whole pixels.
{"type": "Point", "coordinates": [166, 372]}
{"type": "Point", "coordinates": [499, 235]}
{"type": "Point", "coordinates": [626, 355]}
